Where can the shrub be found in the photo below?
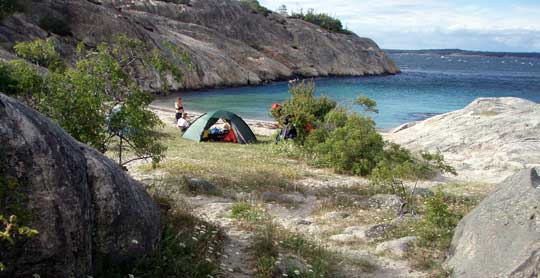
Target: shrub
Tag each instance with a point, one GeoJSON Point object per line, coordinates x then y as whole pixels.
{"type": "Point", "coordinates": [40, 52]}
{"type": "Point", "coordinates": [354, 148]}
{"type": "Point", "coordinates": [14, 216]}
{"type": "Point", "coordinates": [439, 223]}
{"type": "Point", "coordinates": [441, 214]}
{"type": "Point", "coordinates": [256, 6]}
{"type": "Point", "coordinates": [19, 79]}
{"type": "Point", "coordinates": [10, 234]}
{"type": "Point", "coordinates": [368, 104]}
{"type": "Point", "coordinates": [97, 100]}
{"type": "Point", "coordinates": [323, 20]}
{"type": "Point", "coordinates": [305, 108]}
{"type": "Point", "coordinates": [330, 137]}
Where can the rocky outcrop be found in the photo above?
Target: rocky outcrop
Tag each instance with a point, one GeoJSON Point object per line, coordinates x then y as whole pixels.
{"type": "Point", "coordinates": [87, 210]}
{"type": "Point", "coordinates": [489, 140]}
{"type": "Point", "coordinates": [501, 237]}
{"type": "Point", "coordinates": [228, 42]}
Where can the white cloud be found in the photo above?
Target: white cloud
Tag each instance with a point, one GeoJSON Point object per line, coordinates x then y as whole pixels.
{"type": "Point", "coordinates": [398, 23]}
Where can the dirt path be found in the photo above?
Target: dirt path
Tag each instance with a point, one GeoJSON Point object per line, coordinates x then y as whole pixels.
{"type": "Point", "coordinates": [237, 260]}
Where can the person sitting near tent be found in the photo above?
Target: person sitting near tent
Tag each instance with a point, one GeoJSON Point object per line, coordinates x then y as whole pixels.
{"type": "Point", "coordinates": [179, 107]}
{"type": "Point", "coordinates": [229, 134]}
{"type": "Point", "coordinates": [289, 130]}
{"type": "Point", "coordinates": [182, 123]}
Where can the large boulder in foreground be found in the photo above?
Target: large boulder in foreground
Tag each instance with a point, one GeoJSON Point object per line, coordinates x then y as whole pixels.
{"type": "Point", "coordinates": [489, 140]}
{"type": "Point", "coordinates": [87, 210]}
{"type": "Point", "coordinates": [501, 237]}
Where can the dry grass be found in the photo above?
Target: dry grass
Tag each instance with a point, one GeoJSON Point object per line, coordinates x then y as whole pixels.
{"type": "Point", "coordinates": [233, 167]}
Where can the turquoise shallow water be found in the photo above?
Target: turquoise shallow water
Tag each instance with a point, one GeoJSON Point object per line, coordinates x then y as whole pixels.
{"type": "Point", "coordinates": [429, 85]}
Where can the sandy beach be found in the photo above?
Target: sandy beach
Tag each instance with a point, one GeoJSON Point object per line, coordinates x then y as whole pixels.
{"type": "Point", "coordinates": [259, 127]}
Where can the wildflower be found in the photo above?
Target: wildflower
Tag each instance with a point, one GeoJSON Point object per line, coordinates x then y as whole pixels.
{"type": "Point", "coordinates": [134, 241]}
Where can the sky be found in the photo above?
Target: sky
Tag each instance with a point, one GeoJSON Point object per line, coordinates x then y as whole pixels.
{"type": "Point", "coordinates": [487, 25]}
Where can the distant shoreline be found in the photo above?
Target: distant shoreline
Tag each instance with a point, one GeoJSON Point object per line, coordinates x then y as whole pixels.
{"type": "Point", "coordinates": [459, 52]}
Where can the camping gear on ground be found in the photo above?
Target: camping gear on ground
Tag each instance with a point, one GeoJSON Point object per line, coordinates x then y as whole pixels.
{"type": "Point", "coordinates": [241, 130]}
{"type": "Point", "coordinates": [288, 132]}
{"type": "Point", "coordinates": [230, 137]}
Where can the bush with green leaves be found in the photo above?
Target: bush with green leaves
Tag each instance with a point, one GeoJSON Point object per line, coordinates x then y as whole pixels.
{"type": "Point", "coordinates": [354, 147]}
{"type": "Point", "coordinates": [10, 234]}
{"type": "Point", "coordinates": [439, 222]}
{"type": "Point", "coordinates": [368, 104]}
{"type": "Point", "coordinates": [306, 109]}
{"type": "Point", "coordinates": [14, 217]}
{"type": "Point", "coordinates": [256, 6]}
{"type": "Point", "coordinates": [42, 53]}
{"type": "Point", "coordinates": [349, 142]}
{"type": "Point", "coordinates": [97, 101]}
{"type": "Point", "coordinates": [323, 20]}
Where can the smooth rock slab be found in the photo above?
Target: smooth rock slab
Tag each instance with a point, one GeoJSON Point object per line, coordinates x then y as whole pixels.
{"type": "Point", "coordinates": [501, 237]}
{"type": "Point", "coordinates": [487, 141]}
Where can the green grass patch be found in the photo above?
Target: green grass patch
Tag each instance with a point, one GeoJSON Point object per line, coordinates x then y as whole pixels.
{"type": "Point", "coordinates": [247, 212]}
{"type": "Point", "coordinates": [232, 167]}
{"type": "Point", "coordinates": [439, 216]}
{"type": "Point", "coordinates": [266, 250]}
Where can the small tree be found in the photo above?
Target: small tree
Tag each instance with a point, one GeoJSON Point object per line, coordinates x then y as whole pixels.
{"type": "Point", "coordinates": [282, 10]}
{"type": "Point", "coordinates": [97, 100]}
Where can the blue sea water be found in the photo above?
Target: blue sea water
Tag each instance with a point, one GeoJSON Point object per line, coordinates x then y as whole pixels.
{"type": "Point", "coordinates": [428, 85]}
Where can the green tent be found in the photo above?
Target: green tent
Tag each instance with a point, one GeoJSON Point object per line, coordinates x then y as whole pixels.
{"type": "Point", "coordinates": [243, 133]}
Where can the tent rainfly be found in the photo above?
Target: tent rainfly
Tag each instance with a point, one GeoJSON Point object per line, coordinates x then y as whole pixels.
{"type": "Point", "coordinates": [242, 131]}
